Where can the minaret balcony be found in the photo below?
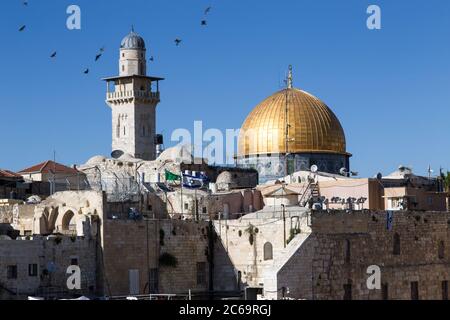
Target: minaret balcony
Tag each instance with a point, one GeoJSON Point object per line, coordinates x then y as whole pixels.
{"type": "Point", "coordinates": [127, 96]}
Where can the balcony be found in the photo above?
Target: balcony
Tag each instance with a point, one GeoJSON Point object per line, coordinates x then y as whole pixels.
{"type": "Point", "coordinates": [126, 96]}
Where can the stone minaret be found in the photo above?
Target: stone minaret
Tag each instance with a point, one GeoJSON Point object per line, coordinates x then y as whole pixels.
{"type": "Point", "coordinates": [133, 98]}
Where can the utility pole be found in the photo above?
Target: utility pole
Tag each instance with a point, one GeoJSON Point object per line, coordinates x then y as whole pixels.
{"type": "Point", "coordinates": [284, 224]}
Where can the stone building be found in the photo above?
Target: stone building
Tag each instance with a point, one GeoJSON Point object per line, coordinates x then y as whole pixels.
{"type": "Point", "coordinates": [54, 177]}
{"type": "Point", "coordinates": [322, 255]}
{"type": "Point", "coordinates": [9, 185]}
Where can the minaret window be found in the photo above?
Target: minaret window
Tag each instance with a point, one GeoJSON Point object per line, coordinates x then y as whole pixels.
{"type": "Point", "coordinates": [123, 68]}
{"type": "Point", "coordinates": [124, 131]}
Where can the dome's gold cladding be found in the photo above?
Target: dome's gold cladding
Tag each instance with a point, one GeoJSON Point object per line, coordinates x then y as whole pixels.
{"type": "Point", "coordinates": [313, 127]}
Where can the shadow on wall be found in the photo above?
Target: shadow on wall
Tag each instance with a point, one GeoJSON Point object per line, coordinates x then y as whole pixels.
{"type": "Point", "coordinates": [227, 279]}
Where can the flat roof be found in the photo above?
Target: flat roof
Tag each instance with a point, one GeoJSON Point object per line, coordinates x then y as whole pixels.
{"type": "Point", "coordinates": [133, 76]}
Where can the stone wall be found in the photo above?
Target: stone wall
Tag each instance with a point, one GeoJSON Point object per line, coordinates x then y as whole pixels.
{"type": "Point", "coordinates": [342, 246]}
{"type": "Point", "coordinates": [242, 243]}
{"type": "Point", "coordinates": [6, 214]}
{"type": "Point", "coordinates": [230, 204]}
{"type": "Point", "coordinates": [138, 245]}
{"type": "Point", "coordinates": [371, 243]}
{"type": "Point", "coordinates": [52, 255]}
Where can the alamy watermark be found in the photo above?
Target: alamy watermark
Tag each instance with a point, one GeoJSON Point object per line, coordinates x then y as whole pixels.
{"type": "Point", "coordinates": [374, 280]}
{"type": "Point", "coordinates": [74, 20]}
{"type": "Point", "coordinates": [74, 280]}
{"type": "Point", "coordinates": [374, 20]}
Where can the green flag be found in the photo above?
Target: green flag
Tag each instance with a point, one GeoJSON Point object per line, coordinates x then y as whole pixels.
{"type": "Point", "coordinates": [172, 176]}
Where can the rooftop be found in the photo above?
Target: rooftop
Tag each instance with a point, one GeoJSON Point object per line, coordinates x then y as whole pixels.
{"type": "Point", "coordinates": [49, 167]}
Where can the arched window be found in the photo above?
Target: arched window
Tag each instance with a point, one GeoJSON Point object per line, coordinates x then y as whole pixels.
{"type": "Point", "coordinates": [441, 250]}
{"type": "Point", "coordinates": [268, 251]}
{"type": "Point", "coordinates": [124, 131]}
{"type": "Point", "coordinates": [347, 251]}
{"type": "Point", "coordinates": [396, 248]}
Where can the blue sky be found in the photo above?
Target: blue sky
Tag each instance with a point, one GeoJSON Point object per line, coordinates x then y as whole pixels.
{"type": "Point", "coordinates": [390, 88]}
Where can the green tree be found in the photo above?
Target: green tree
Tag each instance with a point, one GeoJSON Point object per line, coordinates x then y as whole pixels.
{"type": "Point", "coordinates": [446, 178]}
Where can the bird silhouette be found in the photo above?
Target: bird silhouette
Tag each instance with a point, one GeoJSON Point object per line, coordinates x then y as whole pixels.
{"type": "Point", "coordinates": [152, 59]}
{"type": "Point", "coordinates": [178, 41]}
{"type": "Point", "coordinates": [25, 3]}
{"type": "Point", "coordinates": [22, 28]}
{"type": "Point", "coordinates": [204, 23]}
{"type": "Point", "coordinates": [86, 71]}
{"type": "Point", "coordinates": [207, 10]}
{"type": "Point", "coordinates": [53, 55]}
{"type": "Point", "coordinates": [98, 56]}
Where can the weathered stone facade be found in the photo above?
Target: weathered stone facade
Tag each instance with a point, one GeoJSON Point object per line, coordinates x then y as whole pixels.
{"type": "Point", "coordinates": [422, 255]}
{"type": "Point", "coordinates": [37, 267]}
{"type": "Point", "coordinates": [138, 246]}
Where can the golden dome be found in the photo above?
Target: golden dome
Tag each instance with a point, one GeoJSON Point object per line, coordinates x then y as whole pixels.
{"type": "Point", "coordinates": [313, 127]}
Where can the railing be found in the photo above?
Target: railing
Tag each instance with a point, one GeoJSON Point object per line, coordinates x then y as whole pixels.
{"type": "Point", "coordinates": [151, 297]}
{"type": "Point", "coordinates": [306, 193]}
{"type": "Point", "coordinates": [132, 94]}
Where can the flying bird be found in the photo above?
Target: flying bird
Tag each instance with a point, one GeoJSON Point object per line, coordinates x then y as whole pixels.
{"type": "Point", "coordinates": [152, 59]}
{"type": "Point", "coordinates": [53, 55]}
{"type": "Point", "coordinates": [22, 28]}
{"type": "Point", "coordinates": [204, 23]}
{"type": "Point", "coordinates": [98, 56]}
{"type": "Point", "coordinates": [207, 10]}
{"type": "Point", "coordinates": [25, 3]}
{"type": "Point", "coordinates": [177, 42]}
{"type": "Point", "coordinates": [86, 71]}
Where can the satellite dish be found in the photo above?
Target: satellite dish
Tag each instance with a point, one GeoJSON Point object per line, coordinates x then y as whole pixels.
{"type": "Point", "coordinates": [314, 168]}
{"type": "Point", "coordinates": [343, 171]}
{"type": "Point", "coordinates": [116, 154]}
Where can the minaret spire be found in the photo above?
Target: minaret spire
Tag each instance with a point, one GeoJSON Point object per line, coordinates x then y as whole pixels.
{"type": "Point", "coordinates": [290, 78]}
